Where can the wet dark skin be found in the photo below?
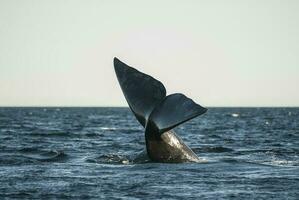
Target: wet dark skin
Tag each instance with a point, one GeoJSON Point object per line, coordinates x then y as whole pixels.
{"type": "Point", "coordinates": [158, 114]}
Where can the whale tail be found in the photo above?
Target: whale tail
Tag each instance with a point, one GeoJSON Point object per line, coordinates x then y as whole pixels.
{"type": "Point", "coordinates": [147, 99]}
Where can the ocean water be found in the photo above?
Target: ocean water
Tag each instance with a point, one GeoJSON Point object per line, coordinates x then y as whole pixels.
{"type": "Point", "coordinates": [87, 153]}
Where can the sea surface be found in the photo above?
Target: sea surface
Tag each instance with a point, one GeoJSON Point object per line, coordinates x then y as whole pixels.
{"type": "Point", "coordinates": [87, 153]}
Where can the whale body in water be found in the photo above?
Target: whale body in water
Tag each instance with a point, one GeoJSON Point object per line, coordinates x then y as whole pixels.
{"type": "Point", "coordinates": [158, 114]}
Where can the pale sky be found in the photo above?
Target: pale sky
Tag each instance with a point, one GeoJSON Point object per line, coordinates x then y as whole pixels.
{"type": "Point", "coordinates": [219, 53]}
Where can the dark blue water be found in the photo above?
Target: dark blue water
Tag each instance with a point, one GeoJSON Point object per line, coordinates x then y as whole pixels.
{"type": "Point", "coordinates": [86, 153]}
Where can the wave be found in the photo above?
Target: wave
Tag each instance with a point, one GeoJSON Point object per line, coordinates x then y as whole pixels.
{"type": "Point", "coordinates": [9, 160]}
{"type": "Point", "coordinates": [270, 151]}
{"type": "Point", "coordinates": [235, 115]}
{"type": "Point", "coordinates": [109, 159]}
{"type": "Point", "coordinates": [108, 128]}
{"type": "Point", "coordinates": [216, 149]}
{"type": "Point", "coordinates": [51, 134]}
{"type": "Point", "coordinates": [51, 156]}
{"type": "Point", "coordinates": [44, 155]}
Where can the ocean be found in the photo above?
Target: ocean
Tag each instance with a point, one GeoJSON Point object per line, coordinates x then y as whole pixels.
{"type": "Point", "coordinates": [87, 153]}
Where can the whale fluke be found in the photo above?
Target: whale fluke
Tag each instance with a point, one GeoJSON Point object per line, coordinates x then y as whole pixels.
{"type": "Point", "coordinates": [173, 110]}
{"type": "Point", "coordinates": [141, 91]}
{"type": "Point", "coordinates": [158, 113]}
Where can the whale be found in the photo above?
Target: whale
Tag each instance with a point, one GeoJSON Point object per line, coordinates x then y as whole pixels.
{"type": "Point", "coordinates": [158, 113]}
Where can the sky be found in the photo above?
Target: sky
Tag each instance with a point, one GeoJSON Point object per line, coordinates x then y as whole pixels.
{"type": "Point", "coordinates": [219, 53]}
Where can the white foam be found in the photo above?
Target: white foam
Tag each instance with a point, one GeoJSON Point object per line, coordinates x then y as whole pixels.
{"type": "Point", "coordinates": [235, 115]}
{"type": "Point", "coordinates": [107, 128]}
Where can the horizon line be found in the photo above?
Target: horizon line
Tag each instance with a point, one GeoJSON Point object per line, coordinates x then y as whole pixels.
{"type": "Point", "coordinates": [111, 106]}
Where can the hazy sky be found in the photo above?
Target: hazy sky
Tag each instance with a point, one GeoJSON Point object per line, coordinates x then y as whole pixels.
{"type": "Point", "coordinates": [219, 53]}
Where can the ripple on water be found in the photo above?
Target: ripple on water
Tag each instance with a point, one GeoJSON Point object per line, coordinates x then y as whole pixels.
{"type": "Point", "coordinates": [88, 153]}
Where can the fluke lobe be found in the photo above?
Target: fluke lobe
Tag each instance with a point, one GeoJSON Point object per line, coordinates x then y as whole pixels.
{"type": "Point", "coordinates": [158, 114]}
